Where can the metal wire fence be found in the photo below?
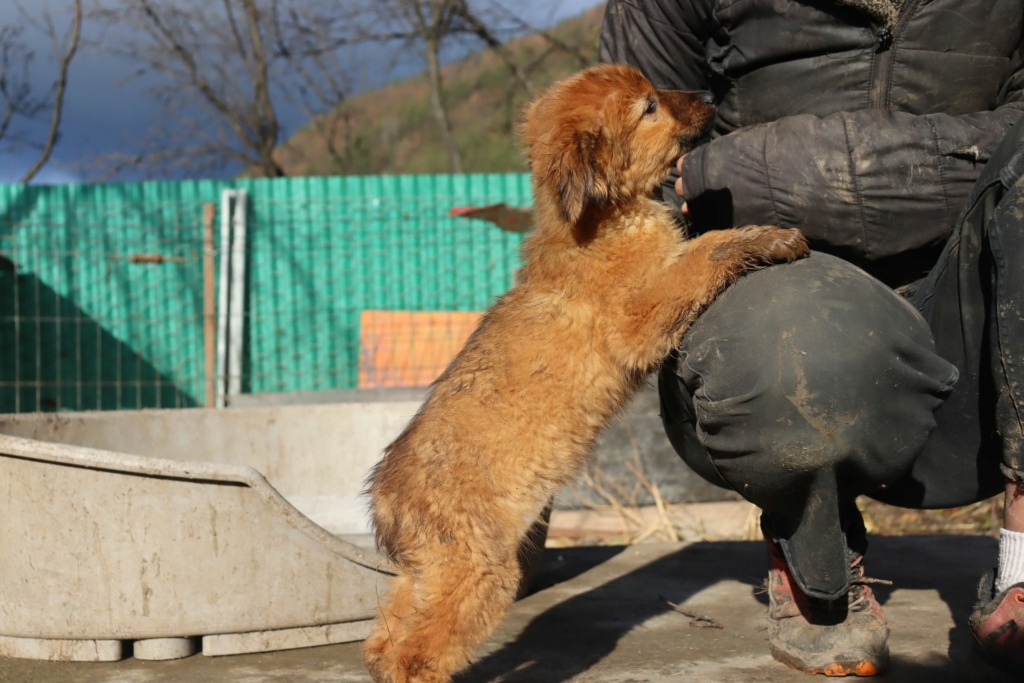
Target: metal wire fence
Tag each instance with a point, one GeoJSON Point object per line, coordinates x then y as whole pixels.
{"type": "Point", "coordinates": [339, 283]}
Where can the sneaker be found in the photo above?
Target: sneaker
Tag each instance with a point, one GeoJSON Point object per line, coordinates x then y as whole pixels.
{"type": "Point", "coordinates": [997, 624]}
{"type": "Point", "coordinates": [838, 638]}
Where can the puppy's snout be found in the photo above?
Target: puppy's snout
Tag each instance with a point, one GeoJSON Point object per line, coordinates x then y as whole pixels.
{"type": "Point", "coordinates": [689, 107]}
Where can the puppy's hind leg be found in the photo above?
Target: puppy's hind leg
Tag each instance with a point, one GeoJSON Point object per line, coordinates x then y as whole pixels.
{"type": "Point", "coordinates": [456, 606]}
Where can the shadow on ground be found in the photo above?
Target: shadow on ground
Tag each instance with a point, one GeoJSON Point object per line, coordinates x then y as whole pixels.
{"type": "Point", "coordinates": [612, 614]}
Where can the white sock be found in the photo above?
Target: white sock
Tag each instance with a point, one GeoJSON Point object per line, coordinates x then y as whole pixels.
{"type": "Point", "coordinates": [1011, 559]}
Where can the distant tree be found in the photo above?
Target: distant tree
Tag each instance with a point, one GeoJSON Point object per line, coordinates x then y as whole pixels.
{"type": "Point", "coordinates": [319, 46]}
{"type": "Point", "coordinates": [431, 21]}
{"type": "Point", "coordinates": [226, 69]}
{"type": "Point", "coordinates": [19, 104]}
{"type": "Point", "coordinates": [15, 89]}
{"type": "Point", "coordinates": [429, 25]}
{"type": "Point", "coordinates": [213, 70]}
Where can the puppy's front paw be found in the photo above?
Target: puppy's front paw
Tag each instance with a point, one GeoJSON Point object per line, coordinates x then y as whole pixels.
{"type": "Point", "coordinates": [766, 244]}
{"type": "Point", "coordinates": [377, 655]}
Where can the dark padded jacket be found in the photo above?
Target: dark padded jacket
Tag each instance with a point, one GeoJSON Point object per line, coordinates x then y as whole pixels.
{"type": "Point", "coordinates": [863, 122]}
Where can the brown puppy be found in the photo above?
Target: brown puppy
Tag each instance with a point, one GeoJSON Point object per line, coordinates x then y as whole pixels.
{"type": "Point", "coordinates": [608, 288]}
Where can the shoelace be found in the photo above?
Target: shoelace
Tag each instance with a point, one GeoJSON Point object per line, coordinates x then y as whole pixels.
{"type": "Point", "coordinates": [859, 591]}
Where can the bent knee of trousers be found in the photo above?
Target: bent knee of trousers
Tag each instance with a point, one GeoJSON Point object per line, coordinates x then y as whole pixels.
{"type": "Point", "coordinates": [798, 368]}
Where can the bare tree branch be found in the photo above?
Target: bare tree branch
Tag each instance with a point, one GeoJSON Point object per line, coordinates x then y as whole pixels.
{"type": "Point", "coordinates": [583, 60]}
{"type": "Point", "coordinates": [481, 31]}
{"type": "Point", "coordinates": [202, 68]}
{"type": "Point", "coordinates": [434, 32]}
{"type": "Point", "coordinates": [237, 62]}
{"type": "Point", "coordinates": [230, 71]}
{"type": "Point", "coordinates": [431, 23]}
{"type": "Point", "coordinates": [267, 126]}
{"type": "Point", "coordinates": [322, 85]}
{"type": "Point", "coordinates": [428, 22]}
{"type": "Point", "coordinates": [15, 92]}
{"type": "Point", "coordinates": [59, 89]}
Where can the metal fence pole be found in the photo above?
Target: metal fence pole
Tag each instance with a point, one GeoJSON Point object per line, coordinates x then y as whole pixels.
{"type": "Point", "coordinates": [209, 308]}
{"type": "Point", "coordinates": [236, 334]}
{"type": "Point", "coordinates": [222, 296]}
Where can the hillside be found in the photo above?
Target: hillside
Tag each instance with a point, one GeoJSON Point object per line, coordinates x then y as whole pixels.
{"type": "Point", "coordinates": [390, 130]}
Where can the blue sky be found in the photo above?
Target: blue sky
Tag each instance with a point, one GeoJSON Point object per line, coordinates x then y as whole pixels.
{"type": "Point", "coordinates": [106, 110]}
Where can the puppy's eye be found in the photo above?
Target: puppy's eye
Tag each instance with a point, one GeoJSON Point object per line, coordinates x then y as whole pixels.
{"type": "Point", "coordinates": [652, 106]}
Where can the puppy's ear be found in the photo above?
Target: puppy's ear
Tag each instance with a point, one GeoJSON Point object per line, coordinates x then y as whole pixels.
{"type": "Point", "coordinates": [577, 175]}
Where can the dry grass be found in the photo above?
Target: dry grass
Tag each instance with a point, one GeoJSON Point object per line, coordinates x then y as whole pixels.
{"type": "Point", "coordinates": [980, 518]}
{"type": "Point", "coordinates": [619, 519]}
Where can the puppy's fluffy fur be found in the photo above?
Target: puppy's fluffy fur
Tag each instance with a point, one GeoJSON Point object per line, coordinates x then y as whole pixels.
{"type": "Point", "coordinates": [608, 287]}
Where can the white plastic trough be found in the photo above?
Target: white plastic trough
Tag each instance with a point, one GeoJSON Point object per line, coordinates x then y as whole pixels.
{"type": "Point", "coordinates": [101, 548]}
{"type": "Point", "coordinates": [158, 528]}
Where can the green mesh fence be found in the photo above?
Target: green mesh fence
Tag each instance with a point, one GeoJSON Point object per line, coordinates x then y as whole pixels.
{"type": "Point", "coordinates": [101, 286]}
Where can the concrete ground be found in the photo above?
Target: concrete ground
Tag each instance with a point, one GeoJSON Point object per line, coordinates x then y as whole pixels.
{"type": "Point", "coordinates": [599, 614]}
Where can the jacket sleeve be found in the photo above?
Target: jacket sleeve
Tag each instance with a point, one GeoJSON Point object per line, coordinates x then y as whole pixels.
{"type": "Point", "coordinates": [864, 185]}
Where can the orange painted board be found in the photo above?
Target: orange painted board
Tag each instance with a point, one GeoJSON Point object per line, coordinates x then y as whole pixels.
{"type": "Point", "coordinates": [410, 348]}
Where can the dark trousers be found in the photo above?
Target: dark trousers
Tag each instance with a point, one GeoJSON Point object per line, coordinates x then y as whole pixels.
{"type": "Point", "coordinates": [808, 384]}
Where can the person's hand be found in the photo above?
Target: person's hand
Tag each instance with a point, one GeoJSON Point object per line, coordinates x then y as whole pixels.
{"type": "Point", "coordinates": [679, 187]}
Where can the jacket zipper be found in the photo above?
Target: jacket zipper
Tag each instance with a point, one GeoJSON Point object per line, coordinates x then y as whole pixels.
{"type": "Point", "coordinates": [885, 56]}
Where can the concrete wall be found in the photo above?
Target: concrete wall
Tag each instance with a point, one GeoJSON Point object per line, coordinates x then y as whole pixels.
{"type": "Point", "coordinates": [318, 454]}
